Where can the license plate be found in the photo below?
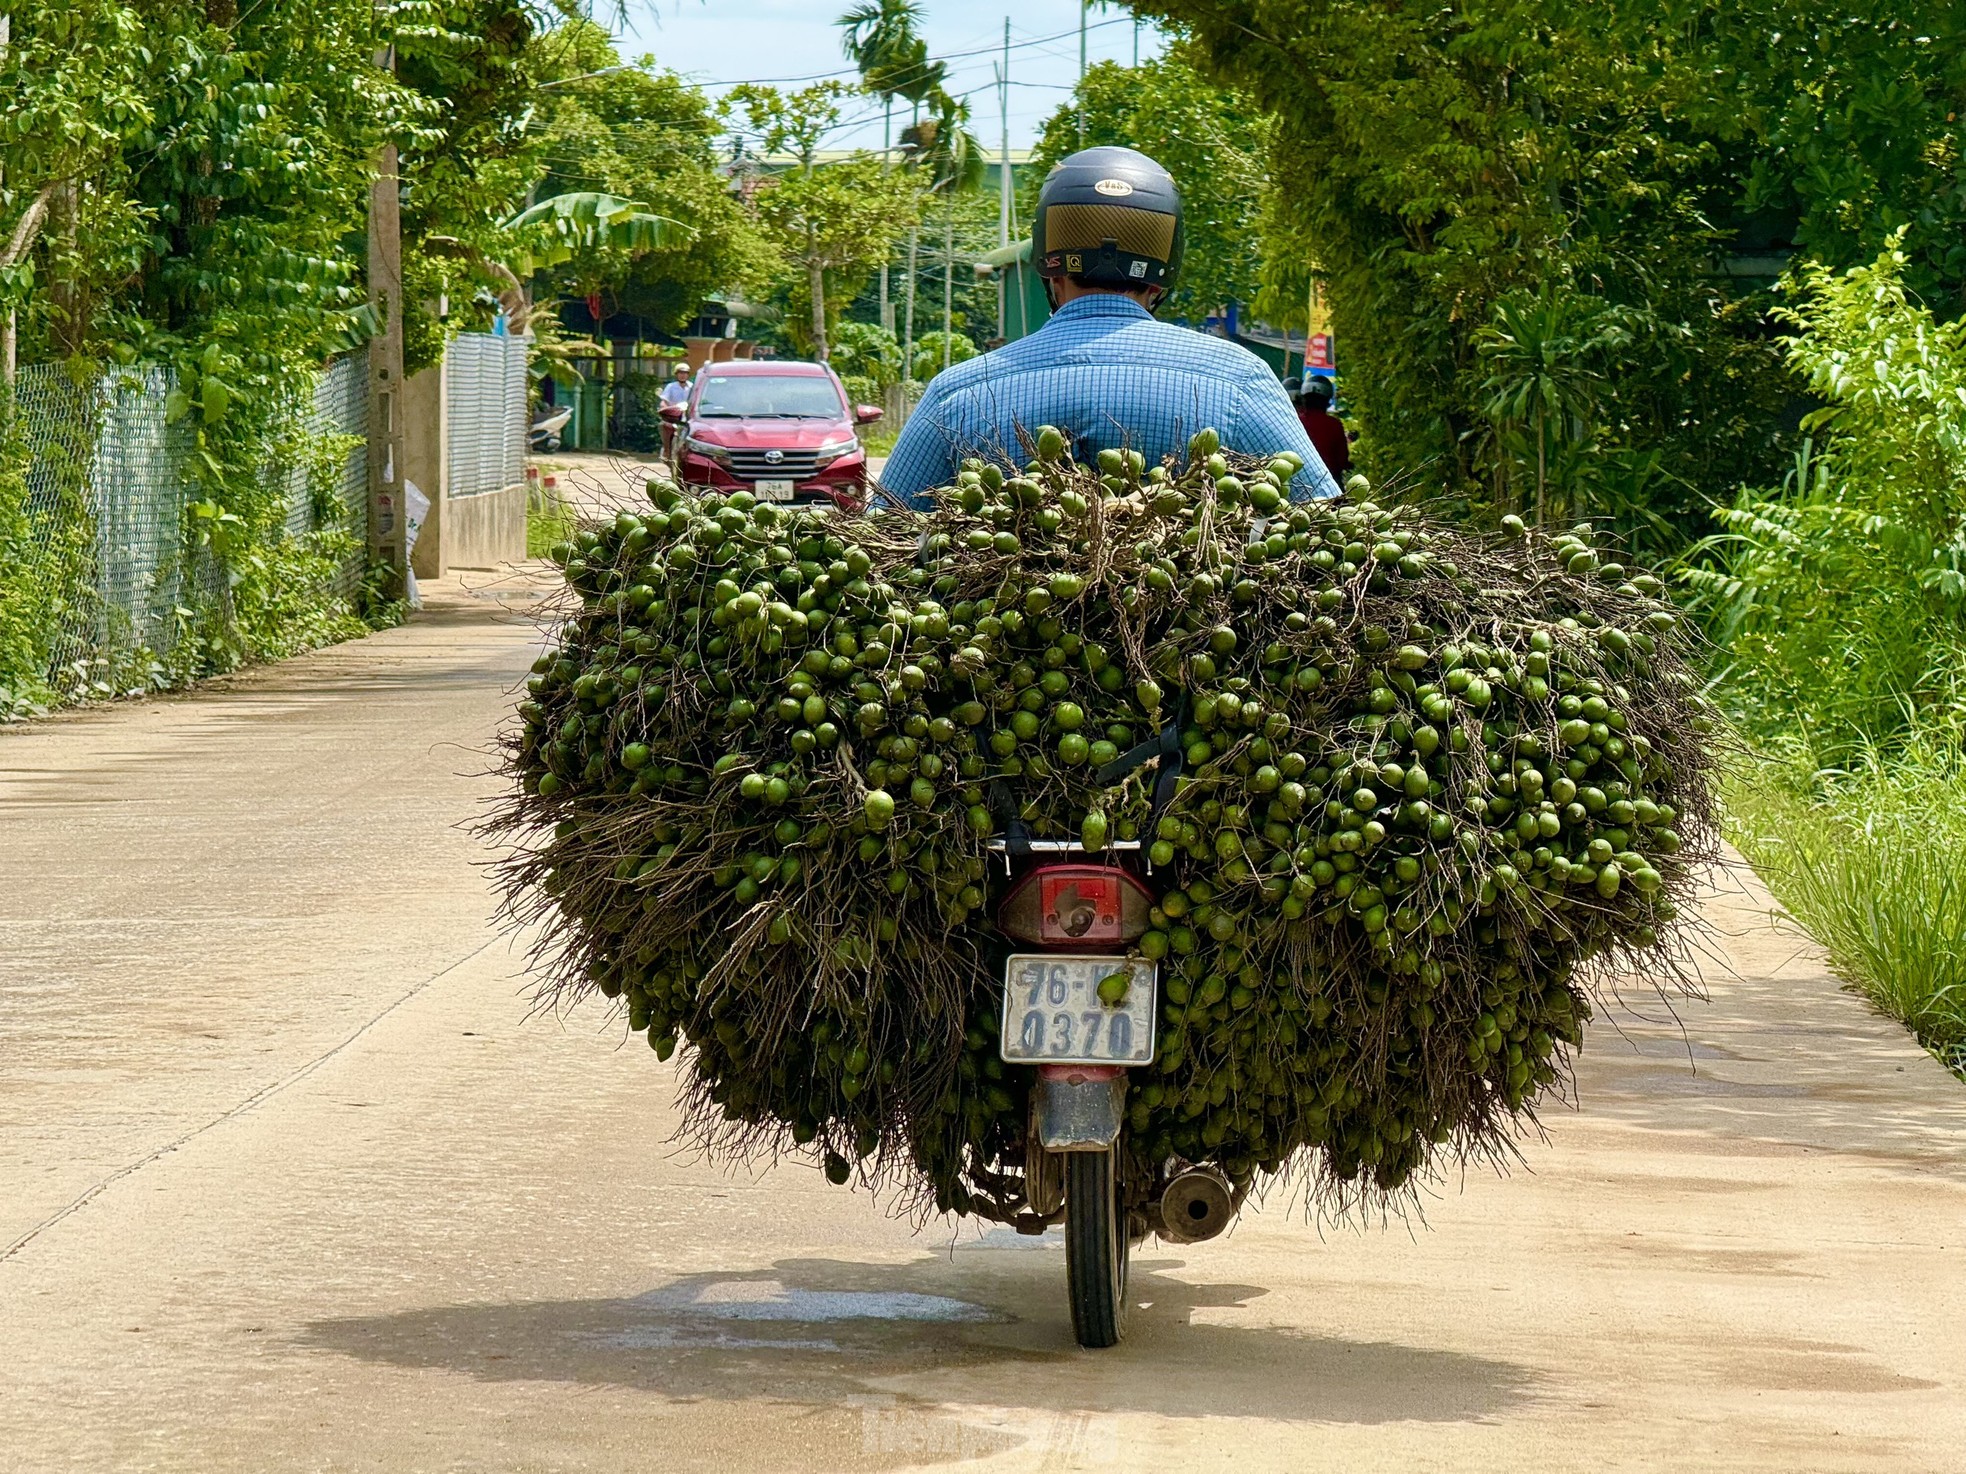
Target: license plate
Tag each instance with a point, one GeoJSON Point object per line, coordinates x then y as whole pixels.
{"type": "Point", "coordinates": [1052, 1013]}
{"type": "Point", "coordinates": [775, 491]}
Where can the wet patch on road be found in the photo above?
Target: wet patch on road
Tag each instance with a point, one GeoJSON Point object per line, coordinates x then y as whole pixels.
{"type": "Point", "coordinates": [713, 1313]}
{"type": "Point", "coordinates": [772, 1300]}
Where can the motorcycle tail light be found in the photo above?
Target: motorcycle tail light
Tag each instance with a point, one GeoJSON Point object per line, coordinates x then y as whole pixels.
{"type": "Point", "coordinates": [1067, 905]}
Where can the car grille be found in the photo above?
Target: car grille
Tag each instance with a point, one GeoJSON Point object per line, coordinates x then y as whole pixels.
{"type": "Point", "coordinates": [794, 465]}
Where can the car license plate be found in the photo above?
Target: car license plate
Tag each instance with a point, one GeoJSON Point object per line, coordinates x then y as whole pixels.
{"type": "Point", "coordinates": [775, 491]}
{"type": "Point", "coordinates": [1052, 1013]}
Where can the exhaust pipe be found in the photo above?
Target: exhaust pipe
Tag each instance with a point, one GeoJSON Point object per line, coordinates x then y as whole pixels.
{"type": "Point", "coordinates": [1197, 1205]}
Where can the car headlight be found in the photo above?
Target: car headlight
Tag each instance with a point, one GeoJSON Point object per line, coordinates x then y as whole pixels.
{"type": "Point", "coordinates": [704, 448]}
{"type": "Point", "coordinates": [825, 455]}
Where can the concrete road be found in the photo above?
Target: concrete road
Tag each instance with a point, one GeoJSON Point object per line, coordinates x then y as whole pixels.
{"type": "Point", "coordinates": [289, 1179]}
{"type": "Point", "coordinates": [600, 483]}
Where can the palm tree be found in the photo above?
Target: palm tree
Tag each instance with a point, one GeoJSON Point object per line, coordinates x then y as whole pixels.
{"type": "Point", "coordinates": [954, 159]}
{"type": "Point", "coordinates": [1545, 358]}
{"type": "Point", "coordinates": [882, 41]}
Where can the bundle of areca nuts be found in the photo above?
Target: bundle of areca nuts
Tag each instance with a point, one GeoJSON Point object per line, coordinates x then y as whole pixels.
{"type": "Point", "coordinates": [1436, 787]}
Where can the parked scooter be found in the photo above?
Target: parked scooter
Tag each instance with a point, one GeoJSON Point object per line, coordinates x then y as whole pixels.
{"type": "Point", "coordinates": [545, 432]}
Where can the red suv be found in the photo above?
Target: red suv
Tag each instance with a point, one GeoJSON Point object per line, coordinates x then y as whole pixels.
{"type": "Point", "coordinates": [783, 431]}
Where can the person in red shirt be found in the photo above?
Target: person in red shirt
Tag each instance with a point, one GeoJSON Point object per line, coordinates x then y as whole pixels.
{"type": "Point", "coordinates": [1324, 428]}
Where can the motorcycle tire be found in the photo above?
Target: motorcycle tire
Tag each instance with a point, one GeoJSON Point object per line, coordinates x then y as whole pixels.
{"type": "Point", "coordinates": [1096, 1247]}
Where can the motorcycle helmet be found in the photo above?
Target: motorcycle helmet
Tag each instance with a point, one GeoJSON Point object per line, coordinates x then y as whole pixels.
{"type": "Point", "coordinates": [1109, 217]}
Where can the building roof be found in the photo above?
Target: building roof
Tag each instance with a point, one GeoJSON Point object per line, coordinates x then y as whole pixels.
{"type": "Point", "coordinates": [991, 158]}
{"type": "Point", "coordinates": [1009, 255]}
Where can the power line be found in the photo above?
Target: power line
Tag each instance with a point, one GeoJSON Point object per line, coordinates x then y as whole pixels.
{"type": "Point", "coordinates": [947, 56]}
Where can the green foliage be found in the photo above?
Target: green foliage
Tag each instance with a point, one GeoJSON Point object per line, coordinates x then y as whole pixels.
{"type": "Point", "coordinates": [882, 39]}
{"type": "Point", "coordinates": [566, 227]}
{"type": "Point", "coordinates": [647, 136]}
{"type": "Point", "coordinates": [40, 560]}
{"type": "Point", "coordinates": [830, 226]}
{"type": "Point", "coordinates": [1840, 600]}
{"type": "Point", "coordinates": [1853, 113]}
{"type": "Point", "coordinates": [867, 350]}
{"type": "Point", "coordinates": [932, 348]}
{"type": "Point", "coordinates": [1214, 141]}
{"type": "Point", "coordinates": [201, 177]}
{"type": "Point", "coordinates": [1838, 605]}
{"type": "Point", "coordinates": [1440, 170]}
{"type": "Point", "coordinates": [469, 153]}
{"type": "Point", "coordinates": [859, 387]}
{"type": "Point", "coordinates": [1546, 357]}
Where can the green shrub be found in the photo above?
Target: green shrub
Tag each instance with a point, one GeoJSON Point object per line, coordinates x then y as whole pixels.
{"type": "Point", "coordinates": [869, 351]}
{"type": "Point", "coordinates": [1839, 600]}
{"type": "Point", "coordinates": [861, 389]}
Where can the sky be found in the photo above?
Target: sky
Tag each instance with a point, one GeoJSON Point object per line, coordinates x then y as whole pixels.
{"type": "Point", "coordinates": [721, 42]}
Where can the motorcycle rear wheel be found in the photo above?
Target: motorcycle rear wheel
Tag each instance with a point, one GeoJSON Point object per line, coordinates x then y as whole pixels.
{"type": "Point", "coordinates": [1096, 1247]}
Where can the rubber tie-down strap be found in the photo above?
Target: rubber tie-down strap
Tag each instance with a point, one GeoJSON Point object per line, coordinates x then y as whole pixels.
{"type": "Point", "coordinates": [1003, 809]}
{"type": "Point", "coordinates": [1164, 747]}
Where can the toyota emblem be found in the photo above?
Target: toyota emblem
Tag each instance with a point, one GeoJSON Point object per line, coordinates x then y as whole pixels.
{"type": "Point", "coordinates": [773, 457]}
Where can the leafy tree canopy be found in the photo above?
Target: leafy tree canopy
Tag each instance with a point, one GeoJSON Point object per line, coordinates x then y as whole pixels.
{"type": "Point", "coordinates": [648, 136]}
{"type": "Point", "coordinates": [829, 226]}
{"type": "Point", "coordinates": [1444, 171]}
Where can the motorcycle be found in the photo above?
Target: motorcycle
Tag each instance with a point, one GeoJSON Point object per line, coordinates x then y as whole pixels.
{"type": "Point", "coordinates": [1082, 1012]}
{"type": "Point", "coordinates": [545, 432]}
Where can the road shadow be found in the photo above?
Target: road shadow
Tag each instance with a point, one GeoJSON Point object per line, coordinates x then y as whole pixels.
{"type": "Point", "coordinates": [981, 1325]}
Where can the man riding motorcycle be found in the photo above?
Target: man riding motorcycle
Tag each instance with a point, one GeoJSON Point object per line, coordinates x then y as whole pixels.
{"type": "Point", "coordinates": [1107, 240]}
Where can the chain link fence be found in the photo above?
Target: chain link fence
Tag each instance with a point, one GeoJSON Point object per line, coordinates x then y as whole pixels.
{"type": "Point", "coordinates": [116, 571]}
{"type": "Point", "coordinates": [341, 407]}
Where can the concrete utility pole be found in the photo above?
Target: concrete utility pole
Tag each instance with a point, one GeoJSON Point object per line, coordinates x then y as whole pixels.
{"type": "Point", "coordinates": [1003, 184]}
{"type": "Point", "coordinates": [1003, 119]}
{"type": "Point", "coordinates": [948, 274]}
{"type": "Point", "coordinates": [10, 329]}
{"type": "Point", "coordinates": [1084, 5]}
{"type": "Point", "coordinates": [887, 162]}
{"type": "Point", "coordinates": [388, 515]}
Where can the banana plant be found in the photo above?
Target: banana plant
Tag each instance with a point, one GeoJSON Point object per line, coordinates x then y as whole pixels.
{"type": "Point", "coordinates": [560, 228]}
{"type": "Point", "coordinates": [557, 230]}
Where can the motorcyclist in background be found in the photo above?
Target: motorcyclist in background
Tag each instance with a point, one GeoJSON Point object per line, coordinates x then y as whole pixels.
{"type": "Point", "coordinates": [1324, 428]}
{"type": "Point", "coordinates": [1107, 240]}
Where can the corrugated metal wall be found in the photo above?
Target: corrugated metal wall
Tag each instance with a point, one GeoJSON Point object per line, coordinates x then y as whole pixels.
{"type": "Point", "coordinates": [485, 412]}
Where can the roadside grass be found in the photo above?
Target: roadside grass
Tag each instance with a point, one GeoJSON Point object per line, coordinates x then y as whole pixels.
{"type": "Point", "coordinates": [548, 520]}
{"type": "Point", "coordinates": [878, 439]}
{"type": "Point", "coordinates": [1872, 864]}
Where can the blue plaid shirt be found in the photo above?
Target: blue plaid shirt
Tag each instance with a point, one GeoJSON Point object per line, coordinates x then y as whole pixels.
{"type": "Point", "coordinates": [1107, 374]}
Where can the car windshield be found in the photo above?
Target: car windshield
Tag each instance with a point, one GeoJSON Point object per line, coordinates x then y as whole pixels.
{"type": "Point", "coordinates": [769, 396]}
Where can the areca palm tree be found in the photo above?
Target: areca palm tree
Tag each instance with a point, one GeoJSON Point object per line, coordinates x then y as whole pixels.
{"type": "Point", "coordinates": [943, 146]}
{"type": "Point", "coordinates": [1545, 355]}
{"type": "Point", "coordinates": [881, 39]}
